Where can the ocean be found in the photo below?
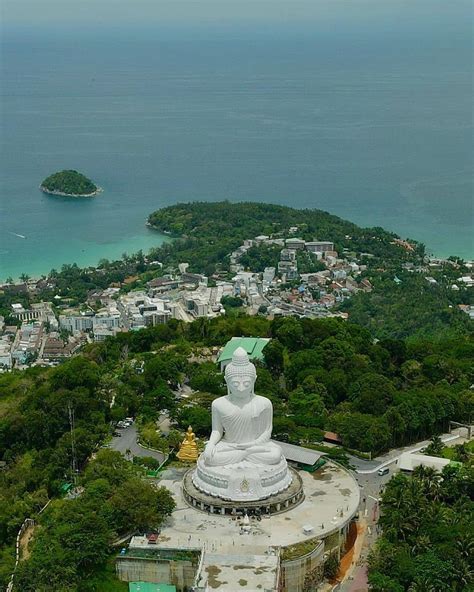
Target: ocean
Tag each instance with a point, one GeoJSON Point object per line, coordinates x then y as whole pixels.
{"type": "Point", "coordinates": [372, 123]}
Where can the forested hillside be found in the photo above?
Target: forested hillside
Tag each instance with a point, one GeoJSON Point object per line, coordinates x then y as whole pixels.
{"type": "Point", "coordinates": [217, 228]}
{"type": "Point", "coordinates": [320, 374]}
{"type": "Point", "coordinates": [402, 304]}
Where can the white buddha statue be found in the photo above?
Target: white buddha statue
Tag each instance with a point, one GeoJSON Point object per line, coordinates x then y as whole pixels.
{"type": "Point", "coordinates": [240, 461]}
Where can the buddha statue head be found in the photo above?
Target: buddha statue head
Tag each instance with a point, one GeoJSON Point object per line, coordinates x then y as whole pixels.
{"type": "Point", "coordinates": [240, 375]}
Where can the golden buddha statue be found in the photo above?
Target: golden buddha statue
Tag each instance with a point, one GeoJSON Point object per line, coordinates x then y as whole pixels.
{"type": "Point", "coordinates": [188, 450]}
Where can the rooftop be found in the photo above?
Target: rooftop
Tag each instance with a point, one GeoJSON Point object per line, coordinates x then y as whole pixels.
{"type": "Point", "coordinates": [252, 573]}
{"type": "Point", "coordinates": [252, 345]}
{"type": "Point", "coordinates": [305, 456]}
{"type": "Point", "coordinates": [331, 499]}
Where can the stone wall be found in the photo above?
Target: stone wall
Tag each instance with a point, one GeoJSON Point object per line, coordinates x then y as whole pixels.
{"type": "Point", "coordinates": [179, 573]}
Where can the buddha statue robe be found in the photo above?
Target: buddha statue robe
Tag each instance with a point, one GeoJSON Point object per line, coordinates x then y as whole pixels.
{"type": "Point", "coordinates": [243, 432]}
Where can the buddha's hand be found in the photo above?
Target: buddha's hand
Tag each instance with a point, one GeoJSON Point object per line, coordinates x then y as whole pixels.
{"type": "Point", "coordinates": [209, 451]}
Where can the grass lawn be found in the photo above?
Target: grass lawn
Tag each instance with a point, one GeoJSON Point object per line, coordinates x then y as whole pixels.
{"type": "Point", "coordinates": [451, 452]}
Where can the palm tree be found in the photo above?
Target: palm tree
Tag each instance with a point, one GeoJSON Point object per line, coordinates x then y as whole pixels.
{"type": "Point", "coordinates": [465, 545]}
{"type": "Point", "coordinates": [421, 544]}
{"type": "Point", "coordinates": [462, 453]}
{"type": "Point", "coordinates": [435, 447]}
{"type": "Point", "coordinates": [429, 480]}
{"type": "Point", "coordinates": [463, 574]}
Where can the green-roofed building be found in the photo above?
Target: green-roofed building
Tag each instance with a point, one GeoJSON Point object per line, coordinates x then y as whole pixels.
{"type": "Point", "coordinates": [148, 587]}
{"type": "Point", "coordinates": [254, 347]}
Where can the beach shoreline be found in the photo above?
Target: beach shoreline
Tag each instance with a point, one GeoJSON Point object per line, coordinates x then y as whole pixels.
{"type": "Point", "coordinates": [62, 194]}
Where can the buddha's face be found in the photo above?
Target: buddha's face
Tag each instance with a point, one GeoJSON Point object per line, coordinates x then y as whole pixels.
{"type": "Point", "coordinates": [240, 386]}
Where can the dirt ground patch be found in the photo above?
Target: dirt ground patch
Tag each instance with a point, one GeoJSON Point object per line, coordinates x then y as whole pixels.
{"type": "Point", "coordinates": [355, 530]}
{"type": "Point", "coordinates": [24, 543]}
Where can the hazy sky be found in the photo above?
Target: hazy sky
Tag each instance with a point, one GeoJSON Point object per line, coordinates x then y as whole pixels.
{"type": "Point", "coordinates": [43, 12]}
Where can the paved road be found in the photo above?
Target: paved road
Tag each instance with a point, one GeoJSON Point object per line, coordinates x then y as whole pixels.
{"type": "Point", "coordinates": [128, 441]}
{"type": "Point", "coordinates": [372, 466]}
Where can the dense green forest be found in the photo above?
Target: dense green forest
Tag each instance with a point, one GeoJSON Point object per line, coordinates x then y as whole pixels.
{"type": "Point", "coordinates": [319, 374]}
{"type": "Point", "coordinates": [428, 538]}
{"type": "Point", "coordinates": [412, 306]}
{"type": "Point", "coordinates": [68, 182]}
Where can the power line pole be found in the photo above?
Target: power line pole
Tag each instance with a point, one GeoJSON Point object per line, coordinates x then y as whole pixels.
{"type": "Point", "coordinates": [73, 443]}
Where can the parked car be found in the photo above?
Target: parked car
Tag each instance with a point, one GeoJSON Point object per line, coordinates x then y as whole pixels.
{"type": "Point", "coordinates": [383, 471]}
{"type": "Point", "coordinates": [117, 434]}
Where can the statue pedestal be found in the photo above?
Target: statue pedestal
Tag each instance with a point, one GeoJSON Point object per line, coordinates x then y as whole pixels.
{"type": "Point", "coordinates": [277, 503]}
{"type": "Point", "coordinates": [243, 481]}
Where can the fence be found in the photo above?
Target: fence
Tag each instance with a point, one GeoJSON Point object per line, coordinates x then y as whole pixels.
{"type": "Point", "coordinates": [27, 523]}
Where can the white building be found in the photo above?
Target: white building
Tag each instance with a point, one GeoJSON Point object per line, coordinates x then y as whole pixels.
{"type": "Point", "coordinates": [106, 318]}
{"type": "Point", "coordinates": [467, 280]}
{"type": "Point", "coordinates": [101, 333]}
{"type": "Point", "coordinates": [76, 323]}
{"type": "Point", "coordinates": [5, 352]}
{"type": "Point", "coordinates": [408, 461]}
{"type": "Point", "coordinates": [268, 275]}
{"type": "Point", "coordinates": [295, 243]}
{"type": "Point", "coordinates": [319, 246]}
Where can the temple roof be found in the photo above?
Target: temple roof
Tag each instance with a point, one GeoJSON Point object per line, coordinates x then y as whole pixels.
{"type": "Point", "coordinates": [304, 456]}
{"type": "Point", "coordinates": [252, 345]}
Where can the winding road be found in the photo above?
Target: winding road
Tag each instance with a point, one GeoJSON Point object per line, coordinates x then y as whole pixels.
{"type": "Point", "coordinates": [127, 442]}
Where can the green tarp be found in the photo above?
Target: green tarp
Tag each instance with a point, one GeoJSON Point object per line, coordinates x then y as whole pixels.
{"type": "Point", "coordinates": [148, 587]}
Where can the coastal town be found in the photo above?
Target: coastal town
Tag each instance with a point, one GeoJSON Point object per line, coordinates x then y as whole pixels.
{"type": "Point", "coordinates": [310, 280]}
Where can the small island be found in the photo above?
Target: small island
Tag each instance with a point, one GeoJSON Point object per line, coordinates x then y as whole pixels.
{"type": "Point", "coordinates": [69, 184]}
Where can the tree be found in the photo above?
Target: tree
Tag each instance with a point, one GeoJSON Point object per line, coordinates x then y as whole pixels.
{"type": "Point", "coordinates": [372, 393]}
{"type": "Point", "coordinates": [290, 333]}
{"type": "Point", "coordinates": [331, 566]}
{"type": "Point", "coordinates": [308, 408]}
{"type": "Point", "coordinates": [232, 301]}
{"type": "Point", "coordinates": [273, 354]}
{"type": "Point", "coordinates": [198, 418]}
{"type": "Point", "coordinates": [382, 583]}
{"type": "Point", "coordinates": [435, 447]}
{"type": "Point", "coordinates": [206, 377]}
{"type": "Point", "coordinates": [76, 372]}
{"type": "Point", "coordinates": [137, 505]}
{"type": "Point", "coordinates": [110, 466]}
{"type": "Point", "coordinates": [361, 431]}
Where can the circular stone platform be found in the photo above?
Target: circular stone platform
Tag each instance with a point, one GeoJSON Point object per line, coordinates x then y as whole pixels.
{"type": "Point", "coordinates": [330, 502]}
{"type": "Point", "coordinates": [274, 504]}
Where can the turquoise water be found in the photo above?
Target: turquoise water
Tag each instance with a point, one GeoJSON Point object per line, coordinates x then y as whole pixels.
{"type": "Point", "coordinates": [370, 121]}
